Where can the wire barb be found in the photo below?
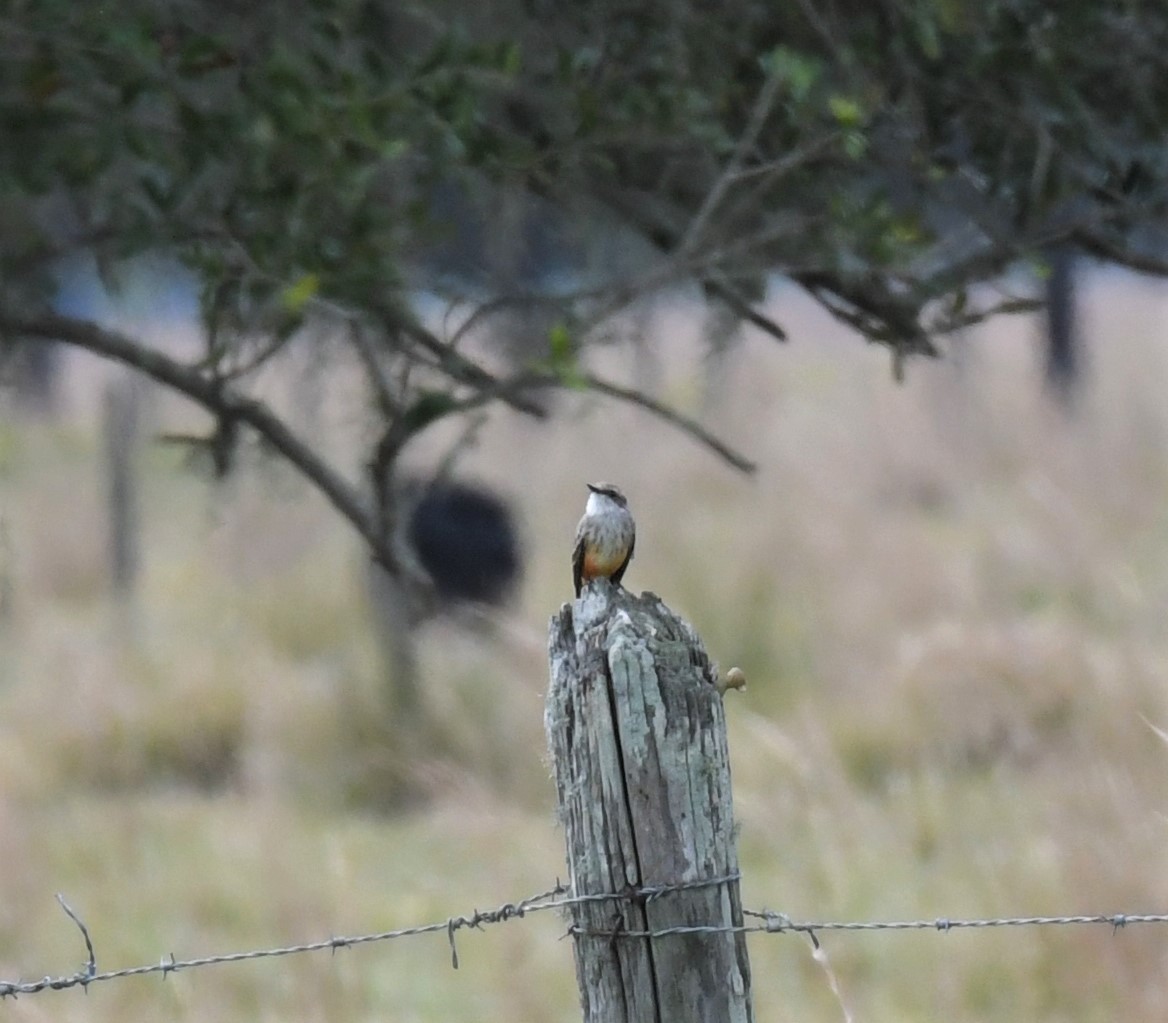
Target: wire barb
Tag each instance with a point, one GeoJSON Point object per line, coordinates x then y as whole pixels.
{"type": "Point", "coordinates": [89, 971]}
{"type": "Point", "coordinates": [451, 926]}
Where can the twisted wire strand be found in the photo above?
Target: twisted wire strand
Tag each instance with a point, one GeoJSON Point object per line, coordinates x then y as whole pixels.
{"type": "Point", "coordinates": [763, 922]}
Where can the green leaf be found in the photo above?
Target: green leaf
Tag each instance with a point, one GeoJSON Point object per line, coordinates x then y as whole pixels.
{"type": "Point", "coordinates": [561, 347]}
{"type": "Point", "coordinates": [510, 59]}
{"type": "Point", "coordinates": [562, 361]}
{"type": "Point", "coordinates": [797, 71]}
{"type": "Point", "coordinates": [847, 112]}
{"type": "Point", "coordinates": [300, 292]}
{"type": "Point", "coordinates": [855, 144]}
{"type": "Point", "coordinates": [927, 34]}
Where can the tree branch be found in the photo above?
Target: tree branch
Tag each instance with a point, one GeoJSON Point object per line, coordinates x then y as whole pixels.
{"type": "Point", "coordinates": [1103, 248]}
{"type": "Point", "coordinates": [742, 307]}
{"type": "Point", "coordinates": [216, 397]}
{"type": "Point", "coordinates": [952, 323]}
{"type": "Point", "coordinates": [665, 237]}
{"type": "Point", "coordinates": [466, 371]}
{"type": "Point", "coordinates": [761, 110]}
{"type": "Point", "coordinates": [674, 418]}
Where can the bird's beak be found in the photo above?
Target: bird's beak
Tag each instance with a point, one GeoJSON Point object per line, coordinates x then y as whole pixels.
{"type": "Point", "coordinates": [593, 487]}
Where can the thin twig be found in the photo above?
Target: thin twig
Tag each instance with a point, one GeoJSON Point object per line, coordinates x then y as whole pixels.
{"type": "Point", "coordinates": [485, 310]}
{"type": "Point", "coordinates": [265, 352]}
{"type": "Point", "coordinates": [665, 237]}
{"type": "Point", "coordinates": [950, 324]}
{"type": "Point", "coordinates": [383, 390]}
{"type": "Point", "coordinates": [780, 167]}
{"type": "Point", "coordinates": [1141, 262]}
{"type": "Point", "coordinates": [744, 308]}
{"type": "Point", "coordinates": [466, 371]}
{"type": "Point", "coordinates": [674, 418]}
{"type": "Point", "coordinates": [759, 113]}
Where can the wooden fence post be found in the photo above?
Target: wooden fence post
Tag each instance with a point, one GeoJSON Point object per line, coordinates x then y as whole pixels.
{"type": "Point", "coordinates": [638, 740]}
{"type": "Point", "coordinates": [120, 415]}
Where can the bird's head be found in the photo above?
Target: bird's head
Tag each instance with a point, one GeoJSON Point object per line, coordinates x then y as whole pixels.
{"type": "Point", "coordinates": [611, 491]}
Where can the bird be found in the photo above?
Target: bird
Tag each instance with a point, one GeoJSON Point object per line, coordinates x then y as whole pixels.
{"type": "Point", "coordinates": [605, 537]}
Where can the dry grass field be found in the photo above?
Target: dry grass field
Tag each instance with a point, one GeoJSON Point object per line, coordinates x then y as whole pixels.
{"type": "Point", "coordinates": [950, 601]}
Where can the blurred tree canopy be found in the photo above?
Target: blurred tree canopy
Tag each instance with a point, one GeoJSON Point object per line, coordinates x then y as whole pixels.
{"type": "Point", "coordinates": [888, 156]}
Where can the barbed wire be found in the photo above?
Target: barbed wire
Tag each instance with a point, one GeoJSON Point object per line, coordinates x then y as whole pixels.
{"type": "Point", "coordinates": [781, 923]}
{"type": "Point", "coordinates": [553, 898]}
{"type": "Point", "coordinates": [556, 897]}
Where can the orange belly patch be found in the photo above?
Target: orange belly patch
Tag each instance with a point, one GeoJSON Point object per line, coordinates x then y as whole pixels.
{"type": "Point", "coordinates": [596, 564]}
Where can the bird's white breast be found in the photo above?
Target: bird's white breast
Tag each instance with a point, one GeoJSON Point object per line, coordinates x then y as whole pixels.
{"type": "Point", "coordinates": [600, 504]}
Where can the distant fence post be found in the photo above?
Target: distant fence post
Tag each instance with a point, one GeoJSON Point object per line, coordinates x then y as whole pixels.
{"type": "Point", "coordinates": [1063, 343]}
{"type": "Point", "coordinates": [120, 414]}
{"type": "Point", "coordinates": [638, 739]}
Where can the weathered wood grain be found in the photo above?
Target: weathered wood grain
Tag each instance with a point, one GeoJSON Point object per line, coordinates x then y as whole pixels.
{"type": "Point", "coordinates": [638, 742]}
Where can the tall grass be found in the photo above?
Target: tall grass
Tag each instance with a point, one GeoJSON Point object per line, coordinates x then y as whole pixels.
{"type": "Point", "coordinates": [949, 600]}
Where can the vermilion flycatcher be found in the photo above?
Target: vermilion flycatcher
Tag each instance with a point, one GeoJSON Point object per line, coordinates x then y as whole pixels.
{"type": "Point", "coordinates": [605, 537]}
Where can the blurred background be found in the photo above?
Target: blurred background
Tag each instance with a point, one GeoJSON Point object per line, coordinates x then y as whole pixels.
{"type": "Point", "coordinates": [948, 597]}
{"type": "Point", "coordinates": [446, 263]}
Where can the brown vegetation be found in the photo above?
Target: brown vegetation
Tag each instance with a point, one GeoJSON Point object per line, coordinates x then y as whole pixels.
{"type": "Point", "coordinates": [949, 601]}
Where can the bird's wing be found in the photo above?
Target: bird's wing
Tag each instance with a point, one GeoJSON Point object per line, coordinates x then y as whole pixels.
{"type": "Point", "coordinates": [578, 561]}
{"type": "Point", "coordinates": [619, 573]}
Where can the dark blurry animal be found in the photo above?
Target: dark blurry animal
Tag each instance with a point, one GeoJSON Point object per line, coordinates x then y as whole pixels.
{"type": "Point", "coordinates": [465, 538]}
